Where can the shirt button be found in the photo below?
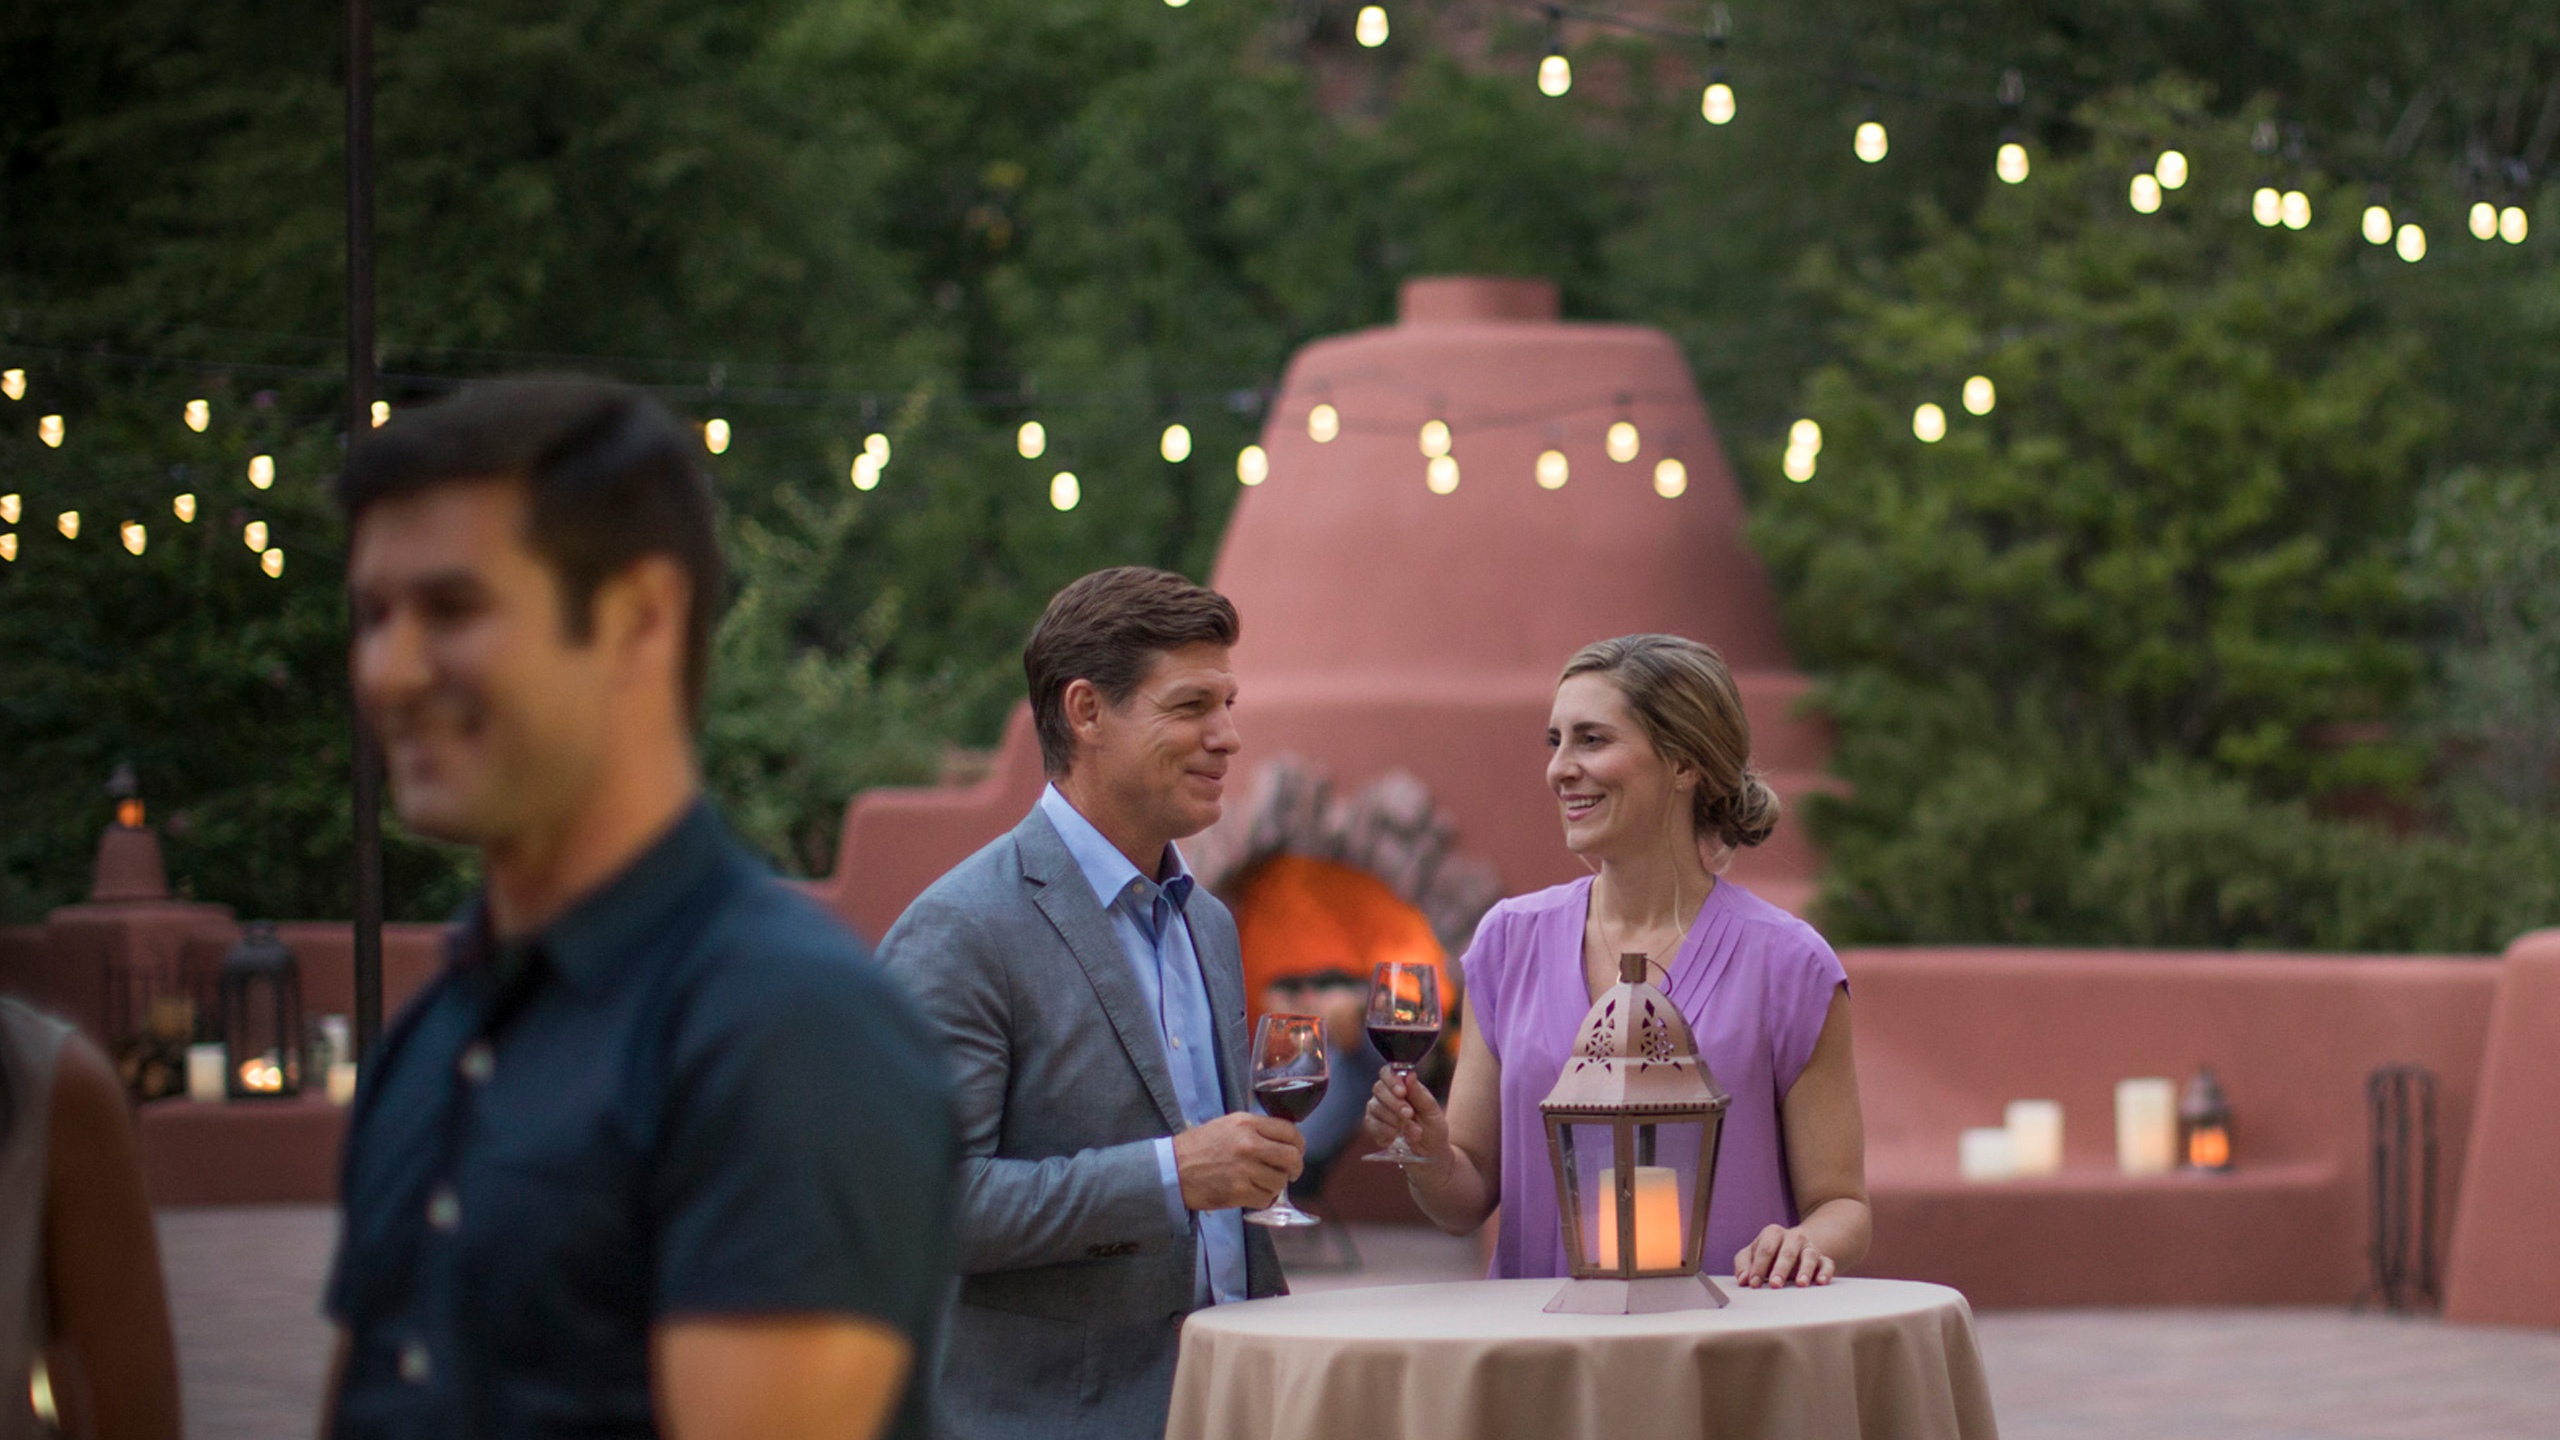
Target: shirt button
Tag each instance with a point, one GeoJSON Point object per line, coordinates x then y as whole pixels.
{"type": "Point", "coordinates": [444, 1209]}
{"type": "Point", "coordinates": [479, 1062]}
{"type": "Point", "coordinates": [415, 1367]}
{"type": "Point", "coordinates": [1177, 1042]}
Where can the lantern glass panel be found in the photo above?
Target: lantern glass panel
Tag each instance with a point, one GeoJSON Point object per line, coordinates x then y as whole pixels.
{"type": "Point", "coordinates": [1665, 1161]}
{"type": "Point", "coordinates": [262, 1017]}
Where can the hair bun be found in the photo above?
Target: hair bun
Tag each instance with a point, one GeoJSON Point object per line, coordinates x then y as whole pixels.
{"type": "Point", "coordinates": [1749, 814]}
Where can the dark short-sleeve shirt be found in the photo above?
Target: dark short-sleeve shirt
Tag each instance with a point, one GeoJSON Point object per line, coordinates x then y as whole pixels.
{"type": "Point", "coordinates": [692, 1096]}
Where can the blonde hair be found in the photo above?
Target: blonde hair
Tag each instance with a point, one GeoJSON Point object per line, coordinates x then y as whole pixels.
{"type": "Point", "coordinates": [1684, 697]}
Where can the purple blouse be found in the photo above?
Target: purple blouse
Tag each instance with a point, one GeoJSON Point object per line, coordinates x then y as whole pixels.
{"type": "Point", "coordinates": [1754, 983]}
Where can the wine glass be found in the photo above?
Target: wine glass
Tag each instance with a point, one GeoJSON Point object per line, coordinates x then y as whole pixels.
{"type": "Point", "coordinates": [1404, 1023]}
{"type": "Point", "coordinates": [1289, 1076]}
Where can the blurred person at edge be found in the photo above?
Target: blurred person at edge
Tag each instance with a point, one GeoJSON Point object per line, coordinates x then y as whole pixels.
{"type": "Point", "coordinates": [660, 1152]}
{"type": "Point", "coordinates": [1092, 1001]}
{"type": "Point", "coordinates": [85, 1345]}
{"type": "Point", "coordinates": [1650, 764]}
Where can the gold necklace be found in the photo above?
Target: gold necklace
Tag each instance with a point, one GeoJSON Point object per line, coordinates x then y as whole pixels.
{"type": "Point", "coordinates": [1653, 960]}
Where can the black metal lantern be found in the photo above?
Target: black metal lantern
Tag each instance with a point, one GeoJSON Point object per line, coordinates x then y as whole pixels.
{"type": "Point", "coordinates": [2204, 1124]}
{"type": "Point", "coordinates": [261, 1016]}
{"type": "Point", "coordinates": [1633, 1126]}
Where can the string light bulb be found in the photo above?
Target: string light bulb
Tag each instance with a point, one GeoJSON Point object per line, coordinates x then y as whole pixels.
{"type": "Point", "coordinates": [1175, 447]}
{"type": "Point", "coordinates": [1871, 142]}
{"type": "Point", "coordinates": [254, 535]}
{"type": "Point", "coordinates": [68, 522]}
{"type": "Point", "coordinates": [1670, 478]}
{"type": "Point", "coordinates": [2297, 210]}
{"type": "Point", "coordinates": [8, 547]}
{"type": "Point", "coordinates": [2012, 166]}
{"type": "Point", "coordinates": [715, 436]}
{"type": "Point", "coordinates": [2267, 207]}
{"type": "Point", "coordinates": [1553, 470]}
{"type": "Point", "coordinates": [2145, 193]}
{"type": "Point", "coordinates": [1323, 423]}
{"type": "Point", "coordinates": [2377, 224]}
{"type": "Point", "coordinates": [10, 505]}
{"type": "Point", "coordinates": [199, 415]}
{"type": "Point", "coordinates": [1805, 435]}
{"type": "Point", "coordinates": [2511, 225]}
{"type": "Point", "coordinates": [1435, 438]}
{"type": "Point", "coordinates": [876, 445]}
{"type": "Point", "coordinates": [1623, 441]}
{"type": "Point", "coordinates": [184, 507]}
{"type": "Point", "coordinates": [1717, 104]}
{"type": "Point", "coordinates": [2170, 169]}
{"type": "Point", "coordinates": [1799, 465]}
{"type": "Point", "coordinates": [1371, 28]}
{"type": "Point", "coordinates": [131, 533]}
{"type": "Point", "coordinates": [2484, 220]}
{"type": "Point", "coordinates": [1032, 440]}
{"type": "Point", "coordinates": [866, 472]}
{"type": "Point", "coordinates": [2412, 244]}
{"type": "Point", "coordinates": [49, 430]}
{"type": "Point", "coordinates": [262, 471]}
{"type": "Point", "coordinates": [1555, 77]}
{"type": "Point", "coordinates": [13, 383]}
{"type": "Point", "coordinates": [1252, 466]}
{"type": "Point", "coordinates": [1064, 492]}
{"type": "Point", "coordinates": [1929, 423]}
{"type": "Point", "coordinates": [273, 563]}
{"type": "Point", "coordinates": [1979, 396]}
{"type": "Point", "coordinates": [1441, 475]}
{"type": "Point", "coordinates": [381, 417]}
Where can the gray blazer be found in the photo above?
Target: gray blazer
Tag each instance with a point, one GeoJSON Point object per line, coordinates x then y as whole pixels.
{"type": "Point", "coordinates": [1073, 1285]}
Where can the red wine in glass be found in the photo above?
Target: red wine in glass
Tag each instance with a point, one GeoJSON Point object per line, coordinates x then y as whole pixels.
{"type": "Point", "coordinates": [1289, 1075]}
{"type": "Point", "coordinates": [1404, 1045]}
{"type": "Point", "coordinates": [1291, 1099]}
{"type": "Point", "coordinates": [1404, 1023]}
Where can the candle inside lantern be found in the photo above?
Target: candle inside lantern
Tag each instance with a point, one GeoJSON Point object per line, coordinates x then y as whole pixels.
{"type": "Point", "coordinates": [2146, 1126]}
{"type": "Point", "coordinates": [262, 1073]}
{"type": "Point", "coordinates": [2035, 1136]}
{"type": "Point", "coordinates": [205, 1067]}
{"type": "Point", "coordinates": [1657, 1218]}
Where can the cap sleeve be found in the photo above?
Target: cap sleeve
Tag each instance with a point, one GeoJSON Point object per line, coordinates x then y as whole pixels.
{"type": "Point", "coordinates": [1487, 968]}
{"type": "Point", "coordinates": [1800, 999]}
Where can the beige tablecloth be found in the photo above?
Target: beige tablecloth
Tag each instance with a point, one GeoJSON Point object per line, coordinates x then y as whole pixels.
{"type": "Point", "coordinates": [1481, 1360]}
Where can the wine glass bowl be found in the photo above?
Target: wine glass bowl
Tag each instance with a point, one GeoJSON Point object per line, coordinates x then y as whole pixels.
{"type": "Point", "coordinates": [1404, 1024]}
{"type": "Point", "coordinates": [1289, 1078]}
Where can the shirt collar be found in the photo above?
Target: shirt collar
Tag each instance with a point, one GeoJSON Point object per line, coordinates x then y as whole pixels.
{"type": "Point", "coordinates": [616, 919]}
{"type": "Point", "coordinates": [1104, 867]}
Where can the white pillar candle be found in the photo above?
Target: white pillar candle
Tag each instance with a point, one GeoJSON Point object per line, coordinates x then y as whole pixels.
{"type": "Point", "coordinates": [1983, 1154]}
{"type": "Point", "coordinates": [1657, 1218]}
{"type": "Point", "coordinates": [208, 1073]}
{"type": "Point", "coordinates": [342, 1082]}
{"type": "Point", "coordinates": [2035, 1136]}
{"type": "Point", "coordinates": [2146, 1126]}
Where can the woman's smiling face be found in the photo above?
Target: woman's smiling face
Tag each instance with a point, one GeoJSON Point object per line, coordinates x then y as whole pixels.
{"type": "Point", "coordinates": [1615, 792]}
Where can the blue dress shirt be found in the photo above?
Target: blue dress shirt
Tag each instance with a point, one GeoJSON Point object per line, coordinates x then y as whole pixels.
{"type": "Point", "coordinates": [1148, 920]}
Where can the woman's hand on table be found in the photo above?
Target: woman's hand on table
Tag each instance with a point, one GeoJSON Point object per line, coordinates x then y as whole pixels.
{"type": "Point", "coordinates": [1399, 1104]}
{"type": "Point", "coordinates": [1783, 1257]}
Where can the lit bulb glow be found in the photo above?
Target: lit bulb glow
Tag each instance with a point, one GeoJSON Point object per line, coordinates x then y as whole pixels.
{"type": "Point", "coordinates": [2377, 224]}
{"type": "Point", "coordinates": [1799, 465]}
{"type": "Point", "coordinates": [1624, 442]}
{"type": "Point", "coordinates": [1805, 435]}
{"type": "Point", "coordinates": [2267, 207]}
{"type": "Point", "coordinates": [1871, 143]}
{"type": "Point", "coordinates": [2170, 170]}
{"type": "Point", "coordinates": [1176, 445]}
{"type": "Point", "coordinates": [381, 414]}
{"type": "Point", "coordinates": [1064, 492]}
{"type": "Point", "coordinates": [184, 507]}
{"type": "Point", "coordinates": [68, 522]}
{"type": "Point", "coordinates": [2297, 210]}
{"type": "Point", "coordinates": [254, 535]}
{"type": "Point", "coordinates": [2012, 166]}
{"type": "Point", "coordinates": [1371, 28]}
{"type": "Point", "coordinates": [1252, 466]}
{"type": "Point", "coordinates": [1670, 478]}
{"type": "Point", "coordinates": [13, 383]}
{"type": "Point", "coordinates": [876, 445]}
{"type": "Point", "coordinates": [1032, 440]}
{"type": "Point", "coordinates": [10, 505]}
{"type": "Point", "coordinates": [715, 436]}
{"type": "Point", "coordinates": [8, 547]}
{"type": "Point", "coordinates": [273, 563]}
{"type": "Point", "coordinates": [262, 471]}
{"type": "Point", "coordinates": [1717, 104]}
{"type": "Point", "coordinates": [1553, 470]}
{"type": "Point", "coordinates": [2412, 244]}
{"type": "Point", "coordinates": [2511, 225]}
{"type": "Point", "coordinates": [1929, 423]}
{"type": "Point", "coordinates": [866, 472]}
{"type": "Point", "coordinates": [1435, 438]}
{"type": "Point", "coordinates": [1979, 396]}
{"type": "Point", "coordinates": [132, 534]}
{"type": "Point", "coordinates": [1323, 423]}
{"type": "Point", "coordinates": [2484, 220]}
{"type": "Point", "coordinates": [1555, 76]}
{"type": "Point", "coordinates": [1441, 475]}
{"type": "Point", "coordinates": [49, 430]}
{"type": "Point", "coordinates": [2145, 193]}
{"type": "Point", "coordinates": [199, 415]}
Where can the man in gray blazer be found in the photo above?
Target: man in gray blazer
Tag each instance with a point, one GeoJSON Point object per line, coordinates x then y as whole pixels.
{"type": "Point", "coordinates": [1091, 1003]}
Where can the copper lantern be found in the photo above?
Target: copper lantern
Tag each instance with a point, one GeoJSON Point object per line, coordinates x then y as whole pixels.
{"type": "Point", "coordinates": [1633, 1126]}
{"type": "Point", "coordinates": [262, 1016]}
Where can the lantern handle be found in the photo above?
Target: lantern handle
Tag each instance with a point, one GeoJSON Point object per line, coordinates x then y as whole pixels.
{"type": "Point", "coordinates": [1633, 968]}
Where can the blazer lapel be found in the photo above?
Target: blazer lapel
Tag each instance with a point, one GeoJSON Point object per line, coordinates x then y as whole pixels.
{"type": "Point", "coordinates": [1062, 895]}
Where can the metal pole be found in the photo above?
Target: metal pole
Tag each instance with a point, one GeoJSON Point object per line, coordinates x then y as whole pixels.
{"type": "Point", "coordinates": [366, 781]}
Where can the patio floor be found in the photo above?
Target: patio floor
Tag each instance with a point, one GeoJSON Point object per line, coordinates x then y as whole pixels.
{"type": "Point", "coordinates": [244, 1285]}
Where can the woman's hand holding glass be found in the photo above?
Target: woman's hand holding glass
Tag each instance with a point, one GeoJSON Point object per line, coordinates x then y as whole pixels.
{"type": "Point", "coordinates": [1401, 1107]}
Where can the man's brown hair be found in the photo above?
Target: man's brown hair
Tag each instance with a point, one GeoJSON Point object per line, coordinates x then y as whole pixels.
{"type": "Point", "coordinates": [1108, 628]}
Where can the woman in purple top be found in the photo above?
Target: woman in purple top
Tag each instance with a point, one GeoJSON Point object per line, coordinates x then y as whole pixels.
{"type": "Point", "coordinates": [1652, 771]}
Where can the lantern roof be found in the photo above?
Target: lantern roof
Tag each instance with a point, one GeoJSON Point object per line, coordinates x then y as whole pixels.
{"type": "Point", "coordinates": [1634, 1054]}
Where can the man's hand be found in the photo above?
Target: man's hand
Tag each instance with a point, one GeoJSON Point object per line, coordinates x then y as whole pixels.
{"type": "Point", "coordinates": [1237, 1160]}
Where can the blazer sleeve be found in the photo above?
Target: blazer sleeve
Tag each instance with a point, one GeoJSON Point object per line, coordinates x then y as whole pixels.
{"type": "Point", "coordinates": [1014, 1213]}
